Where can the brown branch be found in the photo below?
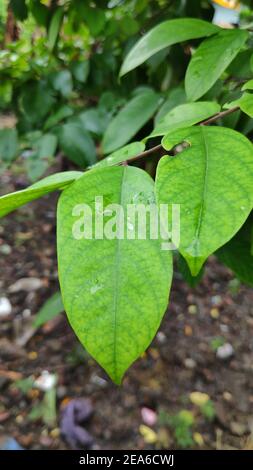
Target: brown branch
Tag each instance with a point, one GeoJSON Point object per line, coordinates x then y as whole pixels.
{"type": "Point", "coordinates": [219, 116]}
{"type": "Point", "coordinates": [202, 123]}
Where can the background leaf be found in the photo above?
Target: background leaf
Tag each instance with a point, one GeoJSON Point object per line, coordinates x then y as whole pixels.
{"type": "Point", "coordinates": [8, 145]}
{"type": "Point", "coordinates": [130, 120]}
{"type": "Point", "coordinates": [51, 308]}
{"type": "Point", "coordinates": [77, 144]}
{"type": "Point", "coordinates": [237, 255]}
{"type": "Point", "coordinates": [163, 35]}
{"type": "Point", "coordinates": [211, 59]}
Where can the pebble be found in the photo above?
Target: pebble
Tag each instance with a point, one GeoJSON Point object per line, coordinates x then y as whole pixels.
{"type": "Point", "coordinates": [5, 307]}
{"type": "Point", "coordinates": [27, 284]}
{"type": "Point", "coordinates": [225, 352]}
{"type": "Point", "coordinates": [192, 309]}
{"type": "Point", "coordinates": [5, 249]}
{"type": "Point", "coordinates": [161, 337]}
{"type": "Point", "coordinates": [190, 363]}
{"type": "Point", "coordinates": [214, 313]}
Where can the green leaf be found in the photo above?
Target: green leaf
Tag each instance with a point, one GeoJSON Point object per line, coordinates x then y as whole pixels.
{"type": "Point", "coordinates": [46, 146]}
{"type": "Point", "coordinates": [115, 291]}
{"type": "Point", "coordinates": [95, 19]}
{"type": "Point", "coordinates": [59, 115]}
{"type": "Point", "coordinates": [175, 97]}
{"type": "Point", "coordinates": [51, 308]}
{"type": "Point", "coordinates": [121, 155]}
{"type": "Point", "coordinates": [77, 144]}
{"type": "Point", "coordinates": [54, 27]}
{"type": "Point", "coordinates": [19, 9]}
{"type": "Point", "coordinates": [210, 60]}
{"type": "Point", "coordinates": [62, 82]}
{"type": "Point", "coordinates": [80, 70]}
{"type": "Point", "coordinates": [237, 255]}
{"type": "Point", "coordinates": [37, 100]}
{"type": "Point", "coordinates": [92, 121]}
{"type": "Point", "coordinates": [212, 180]}
{"type": "Point", "coordinates": [10, 202]}
{"type": "Point", "coordinates": [185, 115]}
{"type": "Point", "coordinates": [183, 267]}
{"type": "Point", "coordinates": [130, 120]}
{"type": "Point", "coordinates": [40, 12]}
{"type": "Point", "coordinates": [8, 145]}
{"type": "Point", "coordinates": [248, 85]}
{"type": "Point", "coordinates": [165, 34]}
{"type": "Point", "coordinates": [245, 103]}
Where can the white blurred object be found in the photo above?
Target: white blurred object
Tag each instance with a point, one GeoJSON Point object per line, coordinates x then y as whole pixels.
{"type": "Point", "coordinates": [227, 12]}
{"type": "Point", "coordinates": [225, 352]}
{"type": "Point", "coordinates": [5, 307]}
{"type": "Point", "coordinates": [46, 381]}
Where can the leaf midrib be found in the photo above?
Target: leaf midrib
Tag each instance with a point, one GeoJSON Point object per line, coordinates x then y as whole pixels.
{"type": "Point", "coordinates": [204, 190]}
{"type": "Point", "coordinates": [117, 272]}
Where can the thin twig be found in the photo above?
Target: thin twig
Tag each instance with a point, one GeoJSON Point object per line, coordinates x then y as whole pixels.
{"type": "Point", "coordinates": [202, 123]}
{"type": "Point", "coordinates": [219, 116]}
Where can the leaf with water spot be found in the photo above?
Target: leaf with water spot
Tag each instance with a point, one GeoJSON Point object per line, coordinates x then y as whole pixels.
{"type": "Point", "coordinates": [115, 291]}
{"type": "Point", "coordinates": [210, 60]}
{"type": "Point", "coordinates": [212, 180]}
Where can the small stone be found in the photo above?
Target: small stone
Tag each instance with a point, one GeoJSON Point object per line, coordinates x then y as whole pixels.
{"type": "Point", "coordinates": [99, 381]}
{"type": "Point", "coordinates": [227, 396]}
{"type": "Point", "coordinates": [214, 313]}
{"type": "Point", "coordinates": [55, 433]}
{"type": "Point", "coordinates": [216, 300]}
{"type": "Point", "coordinates": [5, 307]}
{"type": "Point", "coordinates": [161, 337]}
{"type": "Point", "coordinates": [45, 381]}
{"type": "Point", "coordinates": [149, 416]}
{"type": "Point", "coordinates": [225, 352]}
{"type": "Point", "coordinates": [188, 330]}
{"type": "Point", "coordinates": [19, 419]}
{"type": "Point", "coordinates": [192, 309]}
{"type": "Point", "coordinates": [238, 428]}
{"type": "Point", "coordinates": [5, 249]}
{"type": "Point", "coordinates": [27, 284]}
{"type": "Point", "coordinates": [32, 355]}
{"type": "Point", "coordinates": [224, 328]}
{"type": "Point", "coordinates": [190, 363]}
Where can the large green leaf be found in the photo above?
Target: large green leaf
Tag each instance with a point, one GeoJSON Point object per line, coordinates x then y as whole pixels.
{"type": "Point", "coordinates": [10, 202]}
{"type": "Point", "coordinates": [77, 144]}
{"type": "Point", "coordinates": [237, 255]}
{"type": "Point", "coordinates": [212, 180]}
{"type": "Point", "coordinates": [8, 145]}
{"type": "Point", "coordinates": [123, 154]}
{"type": "Point", "coordinates": [130, 120]}
{"type": "Point", "coordinates": [166, 34]}
{"type": "Point", "coordinates": [185, 115]}
{"type": "Point", "coordinates": [211, 59]}
{"type": "Point", "coordinates": [115, 291]}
